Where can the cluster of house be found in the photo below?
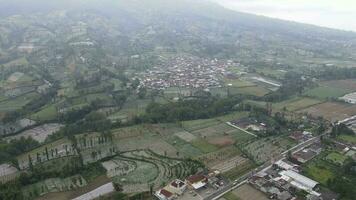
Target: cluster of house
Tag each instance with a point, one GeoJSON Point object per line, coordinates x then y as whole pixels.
{"type": "Point", "coordinates": [301, 136]}
{"type": "Point", "coordinates": [282, 181]}
{"type": "Point", "coordinates": [194, 184]}
{"type": "Point", "coordinates": [308, 153]}
{"type": "Point", "coordinates": [185, 72]}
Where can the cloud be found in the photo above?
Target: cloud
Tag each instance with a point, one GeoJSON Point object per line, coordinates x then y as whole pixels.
{"type": "Point", "coordinates": [339, 14]}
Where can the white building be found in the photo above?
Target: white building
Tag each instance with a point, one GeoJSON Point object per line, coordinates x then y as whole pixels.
{"type": "Point", "coordinates": [299, 181]}
{"type": "Point", "coordinates": [349, 98]}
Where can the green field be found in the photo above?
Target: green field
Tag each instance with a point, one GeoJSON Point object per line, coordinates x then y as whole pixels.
{"type": "Point", "coordinates": [323, 92]}
{"type": "Point", "coordinates": [319, 170]}
{"type": "Point", "coordinates": [348, 138]}
{"type": "Point", "coordinates": [336, 158]}
{"type": "Point", "coordinates": [48, 112]}
{"type": "Point", "coordinates": [296, 104]}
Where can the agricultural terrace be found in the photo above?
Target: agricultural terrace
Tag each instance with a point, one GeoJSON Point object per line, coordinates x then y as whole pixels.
{"type": "Point", "coordinates": [57, 149]}
{"type": "Point", "coordinates": [95, 146]}
{"type": "Point", "coordinates": [264, 149]}
{"type": "Point", "coordinates": [39, 133]}
{"type": "Point", "coordinates": [147, 168]}
{"type": "Point", "coordinates": [331, 111]}
{"type": "Point", "coordinates": [53, 185]}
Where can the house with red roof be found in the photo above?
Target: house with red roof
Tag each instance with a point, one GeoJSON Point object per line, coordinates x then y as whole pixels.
{"type": "Point", "coordinates": [163, 194]}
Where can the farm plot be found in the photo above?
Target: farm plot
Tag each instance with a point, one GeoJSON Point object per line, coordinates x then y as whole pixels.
{"type": "Point", "coordinates": [264, 149]}
{"type": "Point", "coordinates": [199, 124]}
{"type": "Point", "coordinates": [223, 160]}
{"type": "Point", "coordinates": [296, 104]}
{"type": "Point", "coordinates": [254, 91]}
{"type": "Point", "coordinates": [347, 84]}
{"type": "Point", "coordinates": [39, 133]}
{"type": "Point", "coordinates": [153, 142]}
{"type": "Point", "coordinates": [53, 185]}
{"type": "Point", "coordinates": [215, 130]}
{"type": "Point", "coordinates": [204, 146]}
{"type": "Point", "coordinates": [186, 136]}
{"type": "Point", "coordinates": [183, 148]}
{"type": "Point", "coordinates": [239, 170]}
{"type": "Point", "coordinates": [247, 192]}
{"type": "Point", "coordinates": [331, 111]}
{"type": "Point", "coordinates": [323, 92]}
{"type": "Point", "coordinates": [152, 169]}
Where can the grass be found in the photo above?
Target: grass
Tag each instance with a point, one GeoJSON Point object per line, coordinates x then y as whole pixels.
{"type": "Point", "coordinates": [204, 146]}
{"type": "Point", "coordinates": [319, 170]}
{"type": "Point", "coordinates": [336, 158]}
{"type": "Point", "coordinates": [348, 138]}
{"type": "Point", "coordinates": [48, 112]}
{"type": "Point", "coordinates": [296, 104]}
{"type": "Point", "coordinates": [323, 92]}
{"type": "Point", "coordinates": [239, 171]}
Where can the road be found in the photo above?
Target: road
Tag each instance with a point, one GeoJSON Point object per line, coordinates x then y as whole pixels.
{"type": "Point", "coordinates": [243, 179]}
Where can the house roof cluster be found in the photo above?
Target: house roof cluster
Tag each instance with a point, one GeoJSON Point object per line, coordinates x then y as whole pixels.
{"type": "Point", "coordinates": [185, 72]}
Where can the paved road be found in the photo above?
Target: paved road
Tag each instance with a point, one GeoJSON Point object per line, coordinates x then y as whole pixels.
{"type": "Point", "coordinates": [243, 179]}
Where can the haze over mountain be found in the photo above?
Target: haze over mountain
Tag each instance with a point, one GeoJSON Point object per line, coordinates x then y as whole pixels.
{"type": "Point", "coordinates": [199, 27]}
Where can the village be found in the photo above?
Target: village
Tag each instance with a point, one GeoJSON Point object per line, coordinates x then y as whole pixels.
{"type": "Point", "coordinates": [186, 72]}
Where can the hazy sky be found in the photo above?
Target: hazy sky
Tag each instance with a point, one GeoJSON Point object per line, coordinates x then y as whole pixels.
{"type": "Point", "coordinates": [339, 14]}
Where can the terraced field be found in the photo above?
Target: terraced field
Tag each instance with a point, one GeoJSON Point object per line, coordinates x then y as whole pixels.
{"type": "Point", "coordinates": [152, 169]}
